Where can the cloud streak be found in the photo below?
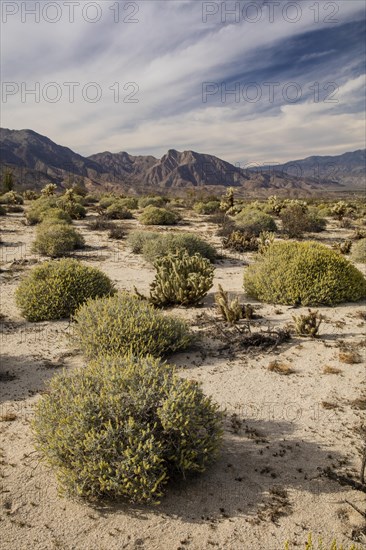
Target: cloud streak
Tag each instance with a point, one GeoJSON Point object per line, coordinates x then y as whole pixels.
{"type": "Point", "coordinates": [299, 68]}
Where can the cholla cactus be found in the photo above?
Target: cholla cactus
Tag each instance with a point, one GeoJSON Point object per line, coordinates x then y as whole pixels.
{"type": "Point", "coordinates": [265, 239]}
{"type": "Point", "coordinates": [275, 204]}
{"type": "Point", "coordinates": [227, 201]}
{"type": "Point", "coordinates": [308, 325]}
{"type": "Point", "coordinates": [181, 279]}
{"type": "Point", "coordinates": [340, 210]}
{"type": "Point", "coordinates": [49, 190]}
{"type": "Point", "coordinates": [232, 311]}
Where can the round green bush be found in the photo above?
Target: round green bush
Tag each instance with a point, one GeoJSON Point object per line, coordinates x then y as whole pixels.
{"type": "Point", "coordinates": [255, 221]}
{"type": "Point", "coordinates": [137, 239]}
{"type": "Point", "coordinates": [122, 427]}
{"type": "Point", "coordinates": [181, 279]}
{"type": "Point", "coordinates": [210, 207]}
{"type": "Point", "coordinates": [151, 201]}
{"type": "Point", "coordinates": [163, 244]}
{"type": "Point", "coordinates": [55, 215]}
{"type": "Point", "coordinates": [11, 198]}
{"type": "Point", "coordinates": [358, 251]}
{"type": "Point", "coordinates": [56, 239]}
{"type": "Point", "coordinates": [55, 289]}
{"type": "Point", "coordinates": [304, 274]}
{"type": "Point", "coordinates": [107, 200]}
{"type": "Point", "coordinates": [153, 215]}
{"type": "Point", "coordinates": [131, 203]}
{"type": "Point", "coordinates": [73, 208]}
{"type": "Point", "coordinates": [118, 211]}
{"type": "Point", "coordinates": [40, 208]}
{"type": "Point", "coordinates": [124, 324]}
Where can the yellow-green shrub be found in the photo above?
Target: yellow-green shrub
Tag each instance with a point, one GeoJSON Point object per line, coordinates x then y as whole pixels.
{"type": "Point", "coordinates": [255, 221]}
{"type": "Point", "coordinates": [303, 273]}
{"type": "Point", "coordinates": [181, 279]}
{"type": "Point", "coordinates": [123, 427]}
{"type": "Point", "coordinates": [124, 324]}
{"type": "Point", "coordinates": [40, 208]}
{"type": "Point", "coordinates": [118, 211]}
{"type": "Point", "coordinates": [151, 201]}
{"type": "Point", "coordinates": [310, 545]}
{"type": "Point", "coordinates": [11, 197]}
{"type": "Point", "coordinates": [153, 215]}
{"type": "Point", "coordinates": [56, 239]}
{"type": "Point", "coordinates": [161, 244]}
{"type": "Point", "coordinates": [207, 207]}
{"type": "Point", "coordinates": [55, 289]}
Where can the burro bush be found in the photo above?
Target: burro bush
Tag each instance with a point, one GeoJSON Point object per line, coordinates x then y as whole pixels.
{"type": "Point", "coordinates": [255, 221]}
{"type": "Point", "coordinates": [124, 324]}
{"type": "Point", "coordinates": [181, 279]}
{"type": "Point", "coordinates": [55, 289]}
{"type": "Point", "coordinates": [151, 201]}
{"type": "Point", "coordinates": [122, 427]}
{"type": "Point", "coordinates": [165, 243]}
{"type": "Point", "coordinates": [56, 239]}
{"type": "Point", "coordinates": [118, 211]}
{"type": "Point", "coordinates": [153, 215]}
{"type": "Point", "coordinates": [303, 273]}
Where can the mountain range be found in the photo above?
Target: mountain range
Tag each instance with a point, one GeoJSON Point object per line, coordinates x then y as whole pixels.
{"type": "Point", "coordinates": [36, 160]}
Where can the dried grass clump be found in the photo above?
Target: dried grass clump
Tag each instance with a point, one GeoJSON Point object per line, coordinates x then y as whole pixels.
{"type": "Point", "coordinates": [280, 368]}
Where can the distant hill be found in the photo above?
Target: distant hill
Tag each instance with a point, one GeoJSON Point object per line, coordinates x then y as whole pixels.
{"type": "Point", "coordinates": [35, 160]}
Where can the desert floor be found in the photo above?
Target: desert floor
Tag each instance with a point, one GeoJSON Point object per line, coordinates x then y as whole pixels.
{"type": "Point", "coordinates": [281, 432]}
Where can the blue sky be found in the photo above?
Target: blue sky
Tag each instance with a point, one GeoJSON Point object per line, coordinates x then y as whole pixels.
{"type": "Point", "coordinates": [152, 75]}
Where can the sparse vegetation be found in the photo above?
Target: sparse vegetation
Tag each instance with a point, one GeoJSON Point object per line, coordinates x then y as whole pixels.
{"type": "Point", "coordinates": [153, 215]}
{"type": "Point", "coordinates": [55, 289]}
{"type": "Point", "coordinates": [232, 311]}
{"type": "Point", "coordinates": [56, 239]}
{"type": "Point", "coordinates": [310, 545]}
{"type": "Point", "coordinates": [124, 324]}
{"type": "Point", "coordinates": [207, 208]}
{"type": "Point", "coordinates": [280, 368]}
{"type": "Point", "coordinates": [124, 427]}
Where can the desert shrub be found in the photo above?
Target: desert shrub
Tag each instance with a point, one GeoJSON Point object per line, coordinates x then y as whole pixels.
{"type": "Point", "coordinates": [316, 222]}
{"type": "Point", "coordinates": [162, 244]}
{"type": "Point", "coordinates": [117, 232]}
{"type": "Point", "coordinates": [227, 201]}
{"type": "Point", "coordinates": [207, 207]}
{"type": "Point", "coordinates": [99, 224]}
{"type": "Point", "coordinates": [307, 324]}
{"type": "Point", "coordinates": [125, 324]}
{"type": "Point", "coordinates": [255, 221]}
{"type": "Point", "coordinates": [11, 198]}
{"type": "Point", "coordinates": [131, 203]}
{"type": "Point", "coordinates": [137, 239]}
{"type": "Point", "coordinates": [341, 209]}
{"type": "Point", "coordinates": [55, 289]}
{"type": "Point", "coordinates": [296, 220]}
{"type": "Point", "coordinates": [90, 199]}
{"type": "Point", "coordinates": [39, 208]}
{"type": "Point", "coordinates": [71, 204]}
{"type": "Point", "coordinates": [241, 241]}
{"type": "Point", "coordinates": [56, 239]}
{"type": "Point", "coordinates": [121, 427]}
{"type": "Point", "coordinates": [181, 279]}
{"type": "Point", "coordinates": [117, 211]}
{"type": "Point", "coordinates": [2, 211]}
{"type": "Point", "coordinates": [358, 234]}
{"type": "Point", "coordinates": [56, 214]}
{"type": "Point", "coordinates": [153, 215]}
{"type": "Point", "coordinates": [107, 200]}
{"type": "Point", "coordinates": [151, 201]}
{"type": "Point", "coordinates": [303, 273]}
{"type": "Point", "coordinates": [358, 253]}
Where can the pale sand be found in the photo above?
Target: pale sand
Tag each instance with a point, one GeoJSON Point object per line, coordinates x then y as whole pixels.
{"type": "Point", "coordinates": [285, 434]}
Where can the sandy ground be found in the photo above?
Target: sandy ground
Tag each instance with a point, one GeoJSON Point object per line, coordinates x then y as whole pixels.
{"type": "Point", "coordinates": [280, 431]}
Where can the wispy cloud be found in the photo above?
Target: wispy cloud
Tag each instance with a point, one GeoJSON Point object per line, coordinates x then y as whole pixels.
{"type": "Point", "coordinates": [173, 48]}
